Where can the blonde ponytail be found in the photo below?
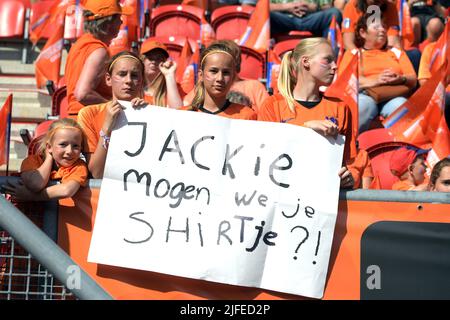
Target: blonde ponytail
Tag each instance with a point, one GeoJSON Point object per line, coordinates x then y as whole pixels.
{"type": "Point", "coordinates": [286, 82]}
{"type": "Point", "coordinates": [199, 97]}
{"type": "Point", "coordinates": [290, 64]}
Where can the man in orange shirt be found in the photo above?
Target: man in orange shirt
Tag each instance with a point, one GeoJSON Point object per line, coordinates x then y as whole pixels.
{"type": "Point", "coordinates": [408, 164]}
{"type": "Point", "coordinates": [85, 67]}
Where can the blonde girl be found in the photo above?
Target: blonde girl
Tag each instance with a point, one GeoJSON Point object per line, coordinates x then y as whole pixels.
{"type": "Point", "coordinates": [58, 158]}
{"type": "Point", "coordinates": [160, 86]}
{"type": "Point", "coordinates": [216, 76]}
{"type": "Point", "coordinates": [302, 72]}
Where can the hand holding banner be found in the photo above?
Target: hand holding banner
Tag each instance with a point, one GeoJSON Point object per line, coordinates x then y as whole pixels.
{"type": "Point", "coordinates": [213, 202]}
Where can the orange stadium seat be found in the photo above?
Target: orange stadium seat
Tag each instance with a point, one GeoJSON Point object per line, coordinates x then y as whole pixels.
{"type": "Point", "coordinates": [60, 102]}
{"type": "Point", "coordinates": [230, 22]}
{"type": "Point", "coordinates": [284, 46]}
{"type": "Point", "coordinates": [298, 35]}
{"type": "Point", "coordinates": [12, 19]}
{"type": "Point", "coordinates": [253, 64]}
{"type": "Point", "coordinates": [176, 20]}
{"type": "Point", "coordinates": [175, 44]}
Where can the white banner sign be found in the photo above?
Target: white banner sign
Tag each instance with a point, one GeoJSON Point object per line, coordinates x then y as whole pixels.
{"type": "Point", "coordinates": [239, 202]}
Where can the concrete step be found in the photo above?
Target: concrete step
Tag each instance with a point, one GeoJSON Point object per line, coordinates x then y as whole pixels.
{"type": "Point", "coordinates": [30, 112]}
{"type": "Point", "coordinates": [20, 97]}
{"type": "Point", "coordinates": [17, 82]}
{"type": "Point", "coordinates": [11, 60]}
{"type": "Point", "coordinates": [15, 67]}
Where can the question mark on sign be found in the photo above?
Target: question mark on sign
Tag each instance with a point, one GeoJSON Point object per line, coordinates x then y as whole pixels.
{"type": "Point", "coordinates": [303, 240]}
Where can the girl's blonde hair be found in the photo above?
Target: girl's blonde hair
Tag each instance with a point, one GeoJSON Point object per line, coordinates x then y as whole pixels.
{"type": "Point", "coordinates": [160, 89]}
{"type": "Point", "coordinates": [55, 126]}
{"type": "Point", "coordinates": [215, 47]}
{"type": "Point", "coordinates": [290, 65]}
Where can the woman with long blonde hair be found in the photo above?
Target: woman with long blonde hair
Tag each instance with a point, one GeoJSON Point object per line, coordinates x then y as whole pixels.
{"type": "Point", "coordinates": [160, 86]}
{"type": "Point", "coordinates": [217, 73]}
{"type": "Point", "coordinates": [302, 72]}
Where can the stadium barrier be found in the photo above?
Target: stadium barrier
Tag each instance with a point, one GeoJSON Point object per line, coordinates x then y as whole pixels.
{"type": "Point", "coordinates": [387, 245]}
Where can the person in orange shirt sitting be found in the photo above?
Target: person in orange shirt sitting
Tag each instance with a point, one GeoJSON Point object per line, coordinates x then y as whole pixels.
{"type": "Point", "coordinates": [216, 76]}
{"type": "Point", "coordinates": [160, 87]}
{"type": "Point", "coordinates": [302, 72]}
{"type": "Point", "coordinates": [363, 165]}
{"type": "Point", "coordinates": [408, 164]}
{"type": "Point", "coordinates": [125, 76]}
{"type": "Point", "coordinates": [87, 57]}
{"type": "Point", "coordinates": [379, 66]}
{"type": "Point", "coordinates": [429, 64]}
{"type": "Point", "coordinates": [440, 176]}
{"type": "Point", "coordinates": [354, 9]}
{"type": "Point", "coordinates": [252, 91]}
{"type": "Point", "coordinates": [58, 159]}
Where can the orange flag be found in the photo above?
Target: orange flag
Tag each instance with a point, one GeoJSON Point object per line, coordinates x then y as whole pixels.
{"type": "Point", "coordinates": [273, 70]}
{"type": "Point", "coordinates": [189, 75]}
{"type": "Point", "coordinates": [121, 41]}
{"type": "Point", "coordinates": [440, 146]}
{"type": "Point", "coordinates": [346, 87]}
{"type": "Point", "coordinates": [5, 130]}
{"type": "Point", "coordinates": [184, 60]}
{"type": "Point", "coordinates": [335, 38]}
{"type": "Point", "coordinates": [416, 121]}
{"type": "Point", "coordinates": [440, 52]}
{"type": "Point", "coordinates": [48, 63]}
{"type": "Point", "coordinates": [257, 34]}
{"type": "Point", "coordinates": [406, 31]}
{"type": "Point", "coordinates": [47, 19]}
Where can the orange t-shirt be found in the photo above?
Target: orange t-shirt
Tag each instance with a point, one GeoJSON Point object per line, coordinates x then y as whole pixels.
{"type": "Point", "coordinates": [78, 54]}
{"type": "Point", "coordinates": [231, 111]}
{"type": "Point", "coordinates": [361, 164]}
{"type": "Point", "coordinates": [91, 120]}
{"type": "Point", "coordinates": [148, 98]}
{"type": "Point", "coordinates": [405, 185]}
{"type": "Point", "coordinates": [374, 61]}
{"type": "Point", "coordinates": [425, 72]}
{"type": "Point", "coordinates": [425, 61]}
{"type": "Point", "coordinates": [352, 14]}
{"type": "Point", "coordinates": [252, 89]}
{"type": "Point", "coordinates": [276, 109]}
{"type": "Point", "coordinates": [77, 172]}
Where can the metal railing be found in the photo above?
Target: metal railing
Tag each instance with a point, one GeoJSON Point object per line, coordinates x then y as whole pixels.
{"type": "Point", "coordinates": [23, 277]}
{"type": "Point", "coordinates": [18, 229]}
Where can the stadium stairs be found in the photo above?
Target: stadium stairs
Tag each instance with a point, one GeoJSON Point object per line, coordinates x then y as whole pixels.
{"type": "Point", "coordinates": [30, 105]}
